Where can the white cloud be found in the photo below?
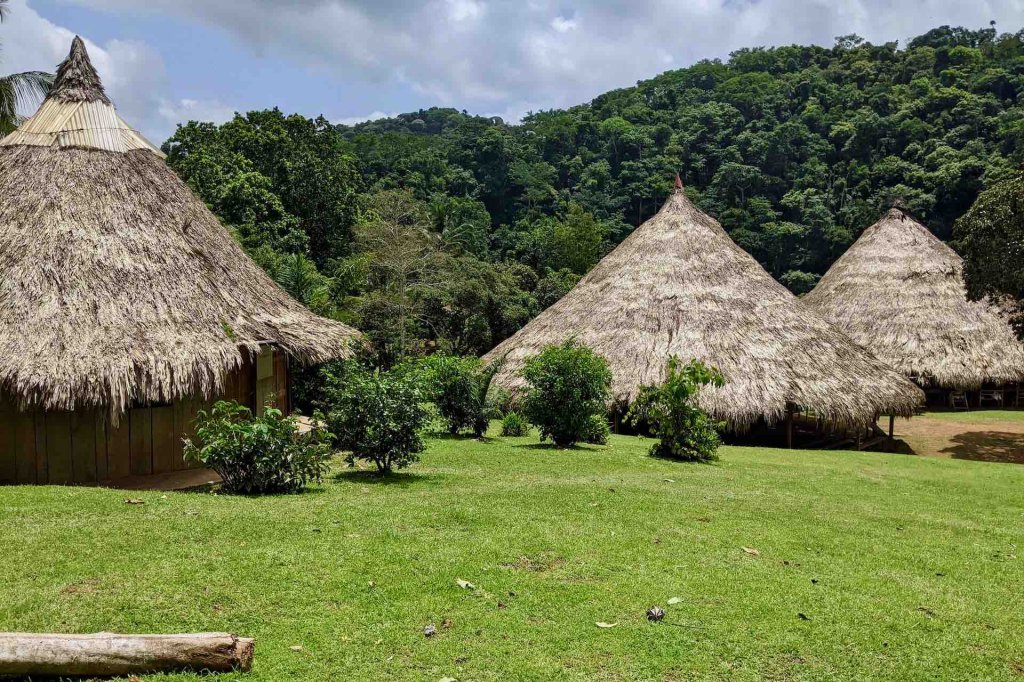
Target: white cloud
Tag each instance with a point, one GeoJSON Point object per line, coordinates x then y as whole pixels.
{"type": "Point", "coordinates": [465, 10]}
{"type": "Point", "coordinates": [182, 110]}
{"type": "Point", "coordinates": [508, 56]}
{"type": "Point", "coordinates": [494, 55]}
{"type": "Point", "coordinates": [133, 73]}
{"type": "Point", "coordinates": [375, 116]}
{"type": "Point", "coordinates": [563, 25]}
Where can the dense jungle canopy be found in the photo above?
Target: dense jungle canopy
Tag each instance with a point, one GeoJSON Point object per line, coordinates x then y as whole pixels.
{"type": "Point", "coordinates": [440, 229]}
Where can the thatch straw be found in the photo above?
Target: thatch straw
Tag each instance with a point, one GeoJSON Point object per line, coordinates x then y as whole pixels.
{"type": "Point", "coordinates": [899, 292]}
{"type": "Point", "coordinates": [77, 113]}
{"type": "Point", "coordinates": [118, 284]}
{"type": "Point", "coordinates": [77, 80]}
{"type": "Point", "coordinates": [680, 286]}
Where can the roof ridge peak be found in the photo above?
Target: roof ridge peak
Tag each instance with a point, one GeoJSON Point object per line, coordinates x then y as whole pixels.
{"type": "Point", "coordinates": [77, 79]}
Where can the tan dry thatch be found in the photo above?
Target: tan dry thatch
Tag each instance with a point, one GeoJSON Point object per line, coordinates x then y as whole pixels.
{"type": "Point", "coordinates": [680, 286]}
{"type": "Point", "coordinates": [116, 282]}
{"type": "Point", "coordinates": [899, 292]}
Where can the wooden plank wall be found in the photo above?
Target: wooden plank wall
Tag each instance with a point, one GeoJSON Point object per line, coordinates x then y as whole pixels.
{"type": "Point", "coordinates": [47, 447]}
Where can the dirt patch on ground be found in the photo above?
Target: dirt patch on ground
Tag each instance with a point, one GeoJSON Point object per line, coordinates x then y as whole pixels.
{"type": "Point", "coordinates": [974, 436]}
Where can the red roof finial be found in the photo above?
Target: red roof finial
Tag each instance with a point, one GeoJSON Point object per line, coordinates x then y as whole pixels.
{"type": "Point", "coordinates": [679, 182]}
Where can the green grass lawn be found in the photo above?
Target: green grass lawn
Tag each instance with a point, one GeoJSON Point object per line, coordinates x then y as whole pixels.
{"type": "Point", "coordinates": [985, 415]}
{"type": "Point", "coordinates": [902, 567]}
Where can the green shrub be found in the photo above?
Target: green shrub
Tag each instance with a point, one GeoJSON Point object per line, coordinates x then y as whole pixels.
{"type": "Point", "coordinates": [683, 430]}
{"type": "Point", "coordinates": [452, 387]}
{"type": "Point", "coordinates": [597, 431]}
{"type": "Point", "coordinates": [514, 425]}
{"type": "Point", "coordinates": [257, 455]}
{"type": "Point", "coordinates": [460, 388]}
{"type": "Point", "coordinates": [567, 385]}
{"type": "Point", "coordinates": [377, 416]}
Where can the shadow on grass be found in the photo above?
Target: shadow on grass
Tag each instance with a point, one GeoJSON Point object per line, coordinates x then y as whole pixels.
{"type": "Point", "coordinates": [988, 446]}
{"type": "Point", "coordinates": [444, 435]}
{"type": "Point", "coordinates": [401, 479]}
{"type": "Point", "coordinates": [548, 446]}
{"type": "Point", "coordinates": [313, 489]}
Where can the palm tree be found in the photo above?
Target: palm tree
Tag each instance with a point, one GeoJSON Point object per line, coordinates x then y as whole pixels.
{"type": "Point", "coordinates": [19, 89]}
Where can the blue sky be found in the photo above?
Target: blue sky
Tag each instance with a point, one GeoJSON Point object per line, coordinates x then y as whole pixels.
{"type": "Point", "coordinates": [168, 61]}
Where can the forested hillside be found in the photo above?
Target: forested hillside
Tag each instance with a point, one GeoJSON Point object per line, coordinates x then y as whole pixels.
{"type": "Point", "coordinates": [442, 229]}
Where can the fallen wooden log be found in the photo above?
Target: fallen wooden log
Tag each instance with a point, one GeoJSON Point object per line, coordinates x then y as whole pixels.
{"type": "Point", "coordinates": [107, 654]}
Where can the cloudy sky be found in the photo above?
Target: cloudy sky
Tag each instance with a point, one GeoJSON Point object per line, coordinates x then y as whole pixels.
{"type": "Point", "coordinates": [168, 61]}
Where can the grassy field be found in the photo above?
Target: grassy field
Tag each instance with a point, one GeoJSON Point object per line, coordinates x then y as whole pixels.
{"type": "Point", "coordinates": [969, 416]}
{"type": "Point", "coordinates": [868, 566]}
{"type": "Point", "coordinates": [981, 435]}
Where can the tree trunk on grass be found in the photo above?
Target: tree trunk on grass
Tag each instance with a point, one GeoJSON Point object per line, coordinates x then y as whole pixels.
{"type": "Point", "coordinates": [106, 654]}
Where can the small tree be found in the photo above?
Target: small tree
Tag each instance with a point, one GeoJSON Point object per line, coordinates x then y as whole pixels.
{"type": "Point", "coordinates": [514, 426]}
{"type": "Point", "coordinates": [990, 237]}
{"type": "Point", "coordinates": [684, 431]}
{"type": "Point", "coordinates": [568, 385]}
{"type": "Point", "coordinates": [257, 455]}
{"type": "Point", "coordinates": [460, 388]}
{"type": "Point", "coordinates": [377, 416]}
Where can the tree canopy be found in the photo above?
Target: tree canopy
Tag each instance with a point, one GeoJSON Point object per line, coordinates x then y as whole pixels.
{"type": "Point", "coordinates": [794, 149]}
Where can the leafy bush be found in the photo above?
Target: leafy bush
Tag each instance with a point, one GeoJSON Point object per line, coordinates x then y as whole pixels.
{"type": "Point", "coordinates": [568, 385]}
{"type": "Point", "coordinates": [460, 387]}
{"type": "Point", "coordinates": [514, 425]}
{"type": "Point", "coordinates": [377, 416]}
{"type": "Point", "coordinates": [684, 431]}
{"type": "Point", "coordinates": [257, 455]}
{"type": "Point", "coordinates": [597, 431]}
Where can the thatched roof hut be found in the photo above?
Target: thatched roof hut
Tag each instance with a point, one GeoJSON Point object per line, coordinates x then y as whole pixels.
{"type": "Point", "coordinates": [118, 284]}
{"type": "Point", "coordinates": [899, 292]}
{"type": "Point", "coordinates": [118, 287]}
{"type": "Point", "coordinates": [680, 286]}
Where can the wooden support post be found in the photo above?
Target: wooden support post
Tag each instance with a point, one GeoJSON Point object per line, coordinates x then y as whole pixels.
{"type": "Point", "coordinates": [892, 422]}
{"type": "Point", "coordinates": [107, 655]}
{"type": "Point", "coordinates": [789, 427]}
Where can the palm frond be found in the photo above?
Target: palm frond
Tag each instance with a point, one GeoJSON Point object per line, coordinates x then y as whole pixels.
{"type": "Point", "coordinates": [21, 91]}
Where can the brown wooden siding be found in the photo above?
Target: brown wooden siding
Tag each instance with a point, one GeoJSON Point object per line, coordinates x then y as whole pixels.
{"type": "Point", "coordinates": [49, 447]}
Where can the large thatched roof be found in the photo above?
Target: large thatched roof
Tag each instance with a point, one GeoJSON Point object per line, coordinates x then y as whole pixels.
{"type": "Point", "coordinates": [116, 282]}
{"type": "Point", "coordinates": [680, 286]}
{"type": "Point", "coordinates": [899, 292]}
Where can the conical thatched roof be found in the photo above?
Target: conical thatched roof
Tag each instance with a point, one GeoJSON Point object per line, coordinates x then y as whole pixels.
{"type": "Point", "coordinates": [680, 286]}
{"type": "Point", "coordinates": [899, 292]}
{"type": "Point", "coordinates": [116, 282]}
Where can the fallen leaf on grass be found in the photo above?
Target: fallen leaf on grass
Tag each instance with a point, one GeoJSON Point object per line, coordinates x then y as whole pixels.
{"type": "Point", "coordinates": [674, 600]}
{"type": "Point", "coordinates": [447, 679]}
{"type": "Point", "coordinates": [134, 500]}
{"type": "Point", "coordinates": [296, 648]}
{"type": "Point", "coordinates": [606, 625]}
{"type": "Point", "coordinates": [465, 584]}
{"type": "Point", "coordinates": [751, 551]}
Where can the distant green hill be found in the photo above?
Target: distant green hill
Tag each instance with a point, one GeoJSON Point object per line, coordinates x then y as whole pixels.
{"type": "Point", "coordinates": [794, 149]}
